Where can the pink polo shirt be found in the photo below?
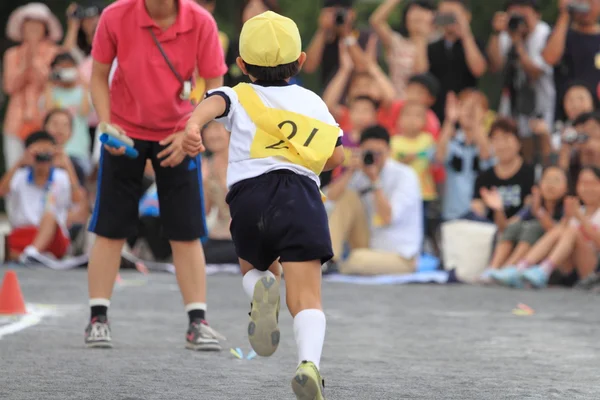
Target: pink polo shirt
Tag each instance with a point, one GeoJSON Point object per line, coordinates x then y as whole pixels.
{"type": "Point", "coordinates": [144, 94]}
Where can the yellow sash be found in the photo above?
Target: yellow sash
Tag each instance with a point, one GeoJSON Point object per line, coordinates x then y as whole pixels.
{"type": "Point", "coordinates": [295, 137]}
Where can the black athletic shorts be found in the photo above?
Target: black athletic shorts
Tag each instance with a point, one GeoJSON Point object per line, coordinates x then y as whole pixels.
{"type": "Point", "coordinates": [279, 215]}
{"type": "Point", "coordinates": [120, 187]}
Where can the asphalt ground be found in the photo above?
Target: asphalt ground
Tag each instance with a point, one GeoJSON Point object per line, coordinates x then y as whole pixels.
{"type": "Point", "coordinates": [383, 342]}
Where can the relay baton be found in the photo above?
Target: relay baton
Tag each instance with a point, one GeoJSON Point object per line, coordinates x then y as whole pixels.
{"type": "Point", "coordinates": [111, 137]}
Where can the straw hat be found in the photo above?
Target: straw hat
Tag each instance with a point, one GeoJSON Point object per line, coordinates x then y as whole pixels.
{"type": "Point", "coordinates": [35, 11]}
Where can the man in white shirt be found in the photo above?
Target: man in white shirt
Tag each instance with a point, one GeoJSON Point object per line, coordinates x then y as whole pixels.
{"type": "Point", "coordinates": [38, 200]}
{"type": "Point", "coordinates": [378, 210]}
{"type": "Point", "coordinates": [515, 47]}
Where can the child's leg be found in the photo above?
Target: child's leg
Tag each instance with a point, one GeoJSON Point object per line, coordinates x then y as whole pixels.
{"type": "Point", "coordinates": [303, 297]}
{"type": "Point", "coordinates": [542, 248]}
{"type": "Point", "coordinates": [562, 250]}
{"type": "Point", "coordinates": [519, 252]}
{"type": "Point", "coordinates": [262, 287]}
{"type": "Point", "coordinates": [501, 253]}
{"type": "Point", "coordinates": [585, 257]}
{"type": "Point", "coordinates": [303, 289]}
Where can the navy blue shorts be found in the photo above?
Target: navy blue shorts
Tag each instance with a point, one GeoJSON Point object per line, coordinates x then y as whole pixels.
{"type": "Point", "coordinates": [120, 187]}
{"type": "Point", "coordinates": [279, 215]}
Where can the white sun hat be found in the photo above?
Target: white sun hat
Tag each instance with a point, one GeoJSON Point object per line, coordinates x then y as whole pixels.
{"type": "Point", "coordinates": [35, 11]}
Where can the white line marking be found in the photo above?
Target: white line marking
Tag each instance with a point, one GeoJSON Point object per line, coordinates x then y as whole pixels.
{"type": "Point", "coordinates": [35, 314]}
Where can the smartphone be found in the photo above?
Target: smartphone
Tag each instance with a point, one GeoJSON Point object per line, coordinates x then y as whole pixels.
{"type": "Point", "coordinates": [444, 19]}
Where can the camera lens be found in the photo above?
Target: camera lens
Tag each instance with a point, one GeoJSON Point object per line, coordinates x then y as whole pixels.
{"type": "Point", "coordinates": [369, 158]}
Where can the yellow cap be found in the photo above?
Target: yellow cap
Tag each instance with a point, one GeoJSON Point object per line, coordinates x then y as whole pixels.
{"type": "Point", "coordinates": [269, 40]}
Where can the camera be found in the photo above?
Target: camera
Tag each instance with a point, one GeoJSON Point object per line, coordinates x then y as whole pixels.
{"type": "Point", "coordinates": [515, 22]}
{"type": "Point", "coordinates": [368, 158]}
{"type": "Point", "coordinates": [444, 19]}
{"type": "Point", "coordinates": [578, 8]}
{"type": "Point", "coordinates": [66, 75]}
{"type": "Point", "coordinates": [43, 157]}
{"type": "Point", "coordinates": [85, 12]}
{"type": "Point", "coordinates": [571, 136]}
{"type": "Point", "coordinates": [340, 16]}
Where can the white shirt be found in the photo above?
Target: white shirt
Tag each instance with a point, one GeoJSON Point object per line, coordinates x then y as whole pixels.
{"type": "Point", "coordinates": [401, 187]}
{"type": "Point", "coordinates": [236, 120]}
{"type": "Point", "coordinates": [27, 202]}
{"type": "Point", "coordinates": [545, 91]}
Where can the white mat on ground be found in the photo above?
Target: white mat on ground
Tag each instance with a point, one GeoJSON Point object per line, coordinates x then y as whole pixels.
{"type": "Point", "coordinates": [154, 266]}
{"type": "Point", "coordinates": [420, 277]}
{"type": "Point", "coordinates": [64, 264]}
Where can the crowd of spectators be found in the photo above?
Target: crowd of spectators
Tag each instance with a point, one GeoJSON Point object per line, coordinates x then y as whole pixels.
{"type": "Point", "coordinates": [423, 146]}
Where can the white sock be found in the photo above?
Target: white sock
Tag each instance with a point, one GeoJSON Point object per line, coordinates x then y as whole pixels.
{"type": "Point", "coordinates": [100, 302]}
{"type": "Point", "coordinates": [309, 332]}
{"type": "Point", "coordinates": [195, 306]}
{"type": "Point", "coordinates": [250, 279]}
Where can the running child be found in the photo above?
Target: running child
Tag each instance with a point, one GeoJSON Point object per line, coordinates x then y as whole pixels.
{"type": "Point", "coordinates": [282, 138]}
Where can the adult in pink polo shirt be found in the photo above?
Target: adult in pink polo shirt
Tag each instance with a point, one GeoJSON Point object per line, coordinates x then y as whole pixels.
{"type": "Point", "coordinates": [147, 100]}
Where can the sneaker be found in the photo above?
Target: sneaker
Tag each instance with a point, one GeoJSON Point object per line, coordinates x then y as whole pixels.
{"type": "Point", "coordinates": [263, 328]}
{"type": "Point", "coordinates": [307, 384]}
{"type": "Point", "coordinates": [201, 337]}
{"type": "Point", "coordinates": [486, 276]}
{"type": "Point", "coordinates": [97, 333]}
{"type": "Point", "coordinates": [509, 276]}
{"type": "Point", "coordinates": [536, 277]}
{"type": "Point", "coordinates": [590, 282]}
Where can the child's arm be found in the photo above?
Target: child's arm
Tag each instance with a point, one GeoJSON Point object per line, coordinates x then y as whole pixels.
{"type": "Point", "coordinates": [336, 159]}
{"type": "Point", "coordinates": [209, 109]}
{"type": "Point", "coordinates": [48, 99]}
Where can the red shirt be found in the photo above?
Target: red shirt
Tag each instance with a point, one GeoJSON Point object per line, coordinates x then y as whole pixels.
{"type": "Point", "coordinates": [144, 94]}
{"type": "Point", "coordinates": [387, 118]}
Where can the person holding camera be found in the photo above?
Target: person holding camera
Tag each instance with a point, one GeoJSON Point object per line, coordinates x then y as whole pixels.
{"type": "Point", "coordinates": [82, 20]}
{"type": "Point", "coordinates": [25, 72]}
{"type": "Point", "coordinates": [336, 27]}
{"type": "Point", "coordinates": [38, 199]}
{"type": "Point", "coordinates": [417, 26]}
{"type": "Point", "coordinates": [515, 48]}
{"type": "Point", "coordinates": [574, 45]}
{"type": "Point", "coordinates": [66, 90]}
{"type": "Point", "coordinates": [457, 59]}
{"type": "Point", "coordinates": [378, 210]}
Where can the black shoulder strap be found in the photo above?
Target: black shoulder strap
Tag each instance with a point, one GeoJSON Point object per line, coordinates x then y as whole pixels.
{"type": "Point", "coordinates": [162, 51]}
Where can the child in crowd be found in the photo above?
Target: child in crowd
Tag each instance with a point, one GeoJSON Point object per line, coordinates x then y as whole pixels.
{"type": "Point", "coordinates": [569, 251]}
{"type": "Point", "coordinates": [38, 199]}
{"type": "Point", "coordinates": [421, 89]}
{"type": "Point", "coordinates": [464, 149]}
{"type": "Point", "coordinates": [282, 138]}
{"type": "Point", "coordinates": [577, 100]}
{"type": "Point", "coordinates": [65, 90]}
{"type": "Point", "coordinates": [500, 192]}
{"type": "Point", "coordinates": [530, 224]}
{"type": "Point", "coordinates": [59, 124]}
{"type": "Point", "coordinates": [415, 147]}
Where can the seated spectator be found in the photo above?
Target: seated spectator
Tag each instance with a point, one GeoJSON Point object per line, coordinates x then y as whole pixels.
{"type": "Point", "coordinates": [500, 192]}
{"type": "Point", "coordinates": [416, 26]}
{"type": "Point", "coordinates": [59, 124]}
{"type": "Point", "coordinates": [219, 248]}
{"type": "Point", "coordinates": [422, 89]}
{"type": "Point", "coordinates": [465, 151]}
{"type": "Point", "coordinates": [457, 58]}
{"type": "Point", "coordinates": [515, 48]}
{"type": "Point", "coordinates": [25, 72]}
{"type": "Point", "coordinates": [532, 222]}
{"type": "Point", "coordinates": [416, 148]}
{"type": "Point", "coordinates": [580, 145]}
{"type": "Point", "coordinates": [373, 84]}
{"type": "Point", "coordinates": [573, 46]}
{"type": "Point", "coordinates": [38, 199]}
{"type": "Point", "coordinates": [65, 90]}
{"type": "Point", "coordinates": [568, 252]}
{"type": "Point", "coordinates": [378, 209]}
{"type": "Point", "coordinates": [577, 100]}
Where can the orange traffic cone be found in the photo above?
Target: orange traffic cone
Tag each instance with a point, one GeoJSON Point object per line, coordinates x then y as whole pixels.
{"type": "Point", "coordinates": [11, 297]}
